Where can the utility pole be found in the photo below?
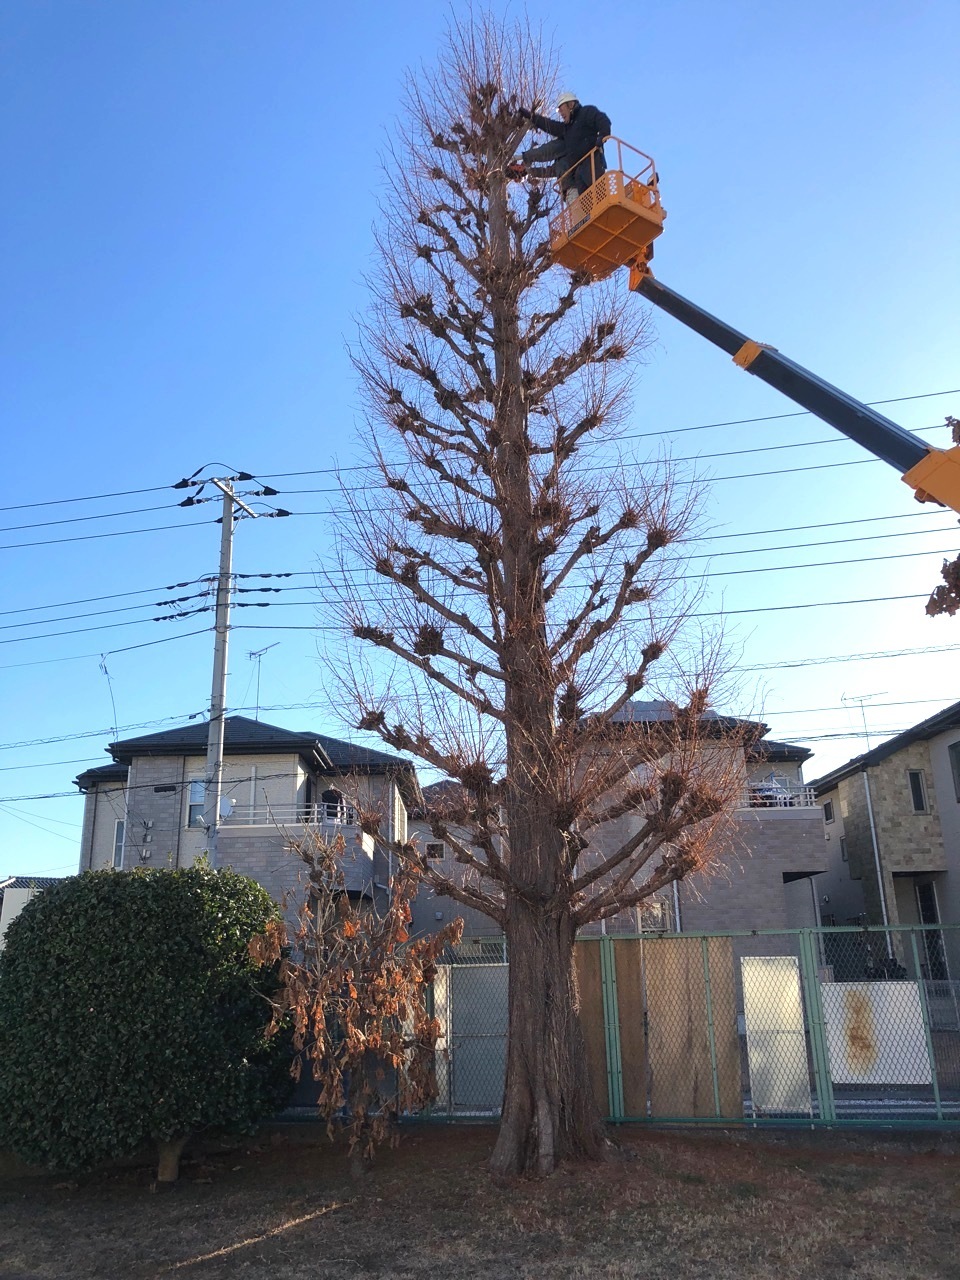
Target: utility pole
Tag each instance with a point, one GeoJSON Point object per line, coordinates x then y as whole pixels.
{"type": "Point", "coordinates": [213, 777]}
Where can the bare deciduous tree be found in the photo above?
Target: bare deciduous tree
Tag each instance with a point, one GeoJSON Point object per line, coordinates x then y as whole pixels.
{"type": "Point", "coordinates": [525, 584]}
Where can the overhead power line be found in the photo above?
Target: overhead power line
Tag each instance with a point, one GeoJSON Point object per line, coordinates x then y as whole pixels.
{"type": "Point", "coordinates": [116, 595]}
{"type": "Point", "coordinates": [711, 537]}
{"type": "Point", "coordinates": [373, 582]}
{"type": "Point", "coordinates": [94, 497]}
{"type": "Point", "coordinates": [99, 613]}
{"type": "Point", "coordinates": [107, 626]}
{"type": "Point", "coordinates": [282, 475]}
{"type": "Point", "coordinates": [114, 533]}
{"type": "Point", "coordinates": [78, 657]}
{"type": "Point", "coordinates": [667, 431]}
{"type": "Point", "coordinates": [103, 515]}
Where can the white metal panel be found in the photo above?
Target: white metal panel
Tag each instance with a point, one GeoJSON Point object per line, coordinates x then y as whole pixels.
{"type": "Point", "coordinates": [776, 1043]}
{"type": "Point", "coordinates": [875, 1033]}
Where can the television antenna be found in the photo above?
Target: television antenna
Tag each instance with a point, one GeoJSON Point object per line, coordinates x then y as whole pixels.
{"type": "Point", "coordinates": [861, 699]}
{"type": "Point", "coordinates": [256, 655]}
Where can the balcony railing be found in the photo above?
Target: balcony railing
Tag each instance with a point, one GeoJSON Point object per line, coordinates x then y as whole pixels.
{"type": "Point", "coordinates": [319, 814]}
{"type": "Point", "coordinates": [778, 794]}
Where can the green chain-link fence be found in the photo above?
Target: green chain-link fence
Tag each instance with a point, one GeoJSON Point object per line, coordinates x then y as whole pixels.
{"type": "Point", "coordinates": [807, 1026]}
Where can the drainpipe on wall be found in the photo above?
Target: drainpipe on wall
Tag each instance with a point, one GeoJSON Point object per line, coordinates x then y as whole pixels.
{"type": "Point", "coordinates": [677, 926]}
{"type": "Point", "coordinates": [876, 860]}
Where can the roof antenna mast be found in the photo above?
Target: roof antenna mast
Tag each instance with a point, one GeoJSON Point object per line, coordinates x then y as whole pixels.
{"type": "Point", "coordinates": [257, 656]}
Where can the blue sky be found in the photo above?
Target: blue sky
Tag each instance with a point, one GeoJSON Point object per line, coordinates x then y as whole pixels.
{"type": "Point", "coordinates": [190, 193]}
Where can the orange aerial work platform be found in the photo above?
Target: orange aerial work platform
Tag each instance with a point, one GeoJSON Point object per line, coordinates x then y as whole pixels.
{"type": "Point", "coordinates": [613, 224]}
{"type": "Point", "coordinates": [614, 221]}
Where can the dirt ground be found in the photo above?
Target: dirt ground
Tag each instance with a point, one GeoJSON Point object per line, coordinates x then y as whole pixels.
{"type": "Point", "coordinates": [719, 1205]}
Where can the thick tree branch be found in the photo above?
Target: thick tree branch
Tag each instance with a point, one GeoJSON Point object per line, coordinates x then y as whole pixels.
{"type": "Point", "coordinates": [385, 640]}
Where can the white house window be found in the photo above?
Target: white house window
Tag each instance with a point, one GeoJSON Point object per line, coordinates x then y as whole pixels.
{"type": "Point", "coordinates": [435, 850]}
{"type": "Point", "coordinates": [828, 810]}
{"type": "Point", "coordinates": [954, 753]}
{"type": "Point", "coordinates": [118, 844]}
{"type": "Point", "coordinates": [399, 818]}
{"type": "Point", "coordinates": [197, 804]}
{"type": "Point", "coordinates": [918, 790]}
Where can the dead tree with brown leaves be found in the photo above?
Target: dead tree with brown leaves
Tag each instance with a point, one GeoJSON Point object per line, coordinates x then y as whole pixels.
{"type": "Point", "coordinates": [353, 992]}
{"type": "Point", "coordinates": [946, 598]}
{"type": "Point", "coordinates": [524, 582]}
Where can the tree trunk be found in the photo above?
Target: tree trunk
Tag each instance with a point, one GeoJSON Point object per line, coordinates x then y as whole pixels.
{"type": "Point", "coordinates": [168, 1164]}
{"type": "Point", "coordinates": [549, 1111]}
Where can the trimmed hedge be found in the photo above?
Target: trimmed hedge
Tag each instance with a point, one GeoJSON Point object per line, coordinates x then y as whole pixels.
{"type": "Point", "coordinates": [130, 1011]}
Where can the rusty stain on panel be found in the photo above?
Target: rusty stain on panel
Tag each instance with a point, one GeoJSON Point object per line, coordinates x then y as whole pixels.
{"type": "Point", "coordinates": [859, 1031]}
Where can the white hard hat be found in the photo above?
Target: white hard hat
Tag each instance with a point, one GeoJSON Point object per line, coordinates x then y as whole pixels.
{"type": "Point", "coordinates": [566, 96]}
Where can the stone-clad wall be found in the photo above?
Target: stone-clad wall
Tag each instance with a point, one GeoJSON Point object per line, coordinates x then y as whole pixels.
{"type": "Point", "coordinates": [910, 843]}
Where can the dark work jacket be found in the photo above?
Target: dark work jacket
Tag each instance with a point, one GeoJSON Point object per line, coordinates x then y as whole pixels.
{"type": "Point", "coordinates": [586, 129]}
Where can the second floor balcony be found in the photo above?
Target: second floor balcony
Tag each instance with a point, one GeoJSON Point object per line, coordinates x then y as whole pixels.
{"type": "Point", "coordinates": [777, 793]}
{"type": "Point", "coordinates": [315, 814]}
{"type": "Point", "coordinates": [328, 821]}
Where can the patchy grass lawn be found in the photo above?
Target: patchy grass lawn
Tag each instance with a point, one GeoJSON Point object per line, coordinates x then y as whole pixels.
{"type": "Point", "coordinates": [731, 1206]}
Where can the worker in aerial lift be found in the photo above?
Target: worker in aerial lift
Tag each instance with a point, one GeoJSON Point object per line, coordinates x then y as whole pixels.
{"type": "Point", "coordinates": [579, 131]}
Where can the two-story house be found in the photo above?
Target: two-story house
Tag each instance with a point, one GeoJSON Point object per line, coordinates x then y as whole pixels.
{"type": "Point", "coordinates": [147, 806]}
{"type": "Point", "coordinates": [763, 878]}
{"type": "Point", "coordinates": [891, 823]}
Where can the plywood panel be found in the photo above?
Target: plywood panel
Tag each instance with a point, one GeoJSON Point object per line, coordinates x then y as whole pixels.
{"type": "Point", "coordinates": [633, 1050]}
{"type": "Point", "coordinates": [587, 958]}
{"type": "Point", "coordinates": [681, 1076]}
{"type": "Point", "coordinates": [723, 996]}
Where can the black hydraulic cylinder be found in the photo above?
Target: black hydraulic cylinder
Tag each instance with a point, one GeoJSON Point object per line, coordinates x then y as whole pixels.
{"type": "Point", "coordinates": [877, 434]}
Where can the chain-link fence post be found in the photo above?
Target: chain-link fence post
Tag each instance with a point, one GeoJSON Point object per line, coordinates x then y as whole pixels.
{"type": "Point", "coordinates": [927, 1031]}
{"type": "Point", "coordinates": [711, 1034]}
{"type": "Point", "coordinates": [818, 1039]}
{"type": "Point", "coordinates": [611, 1028]}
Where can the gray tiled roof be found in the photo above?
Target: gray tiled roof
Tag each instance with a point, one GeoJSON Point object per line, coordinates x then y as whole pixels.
{"type": "Point", "coordinates": [658, 712]}
{"type": "Point", "coordinates": [323, 754]}
{"type": "Point", "coordinates": [27, 882]}
{"type": "Point", "coordinates": [101, 773]}
{"type": "Point", "coordinates": [948, 718]}
{"type": "Point", "coordinates": [768, 749]}
{"type": "Point", "coordinates": [243, 735]}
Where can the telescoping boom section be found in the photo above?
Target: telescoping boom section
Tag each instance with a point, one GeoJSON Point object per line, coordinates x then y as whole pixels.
{"type": "Point", "coordinates": [614, 223]}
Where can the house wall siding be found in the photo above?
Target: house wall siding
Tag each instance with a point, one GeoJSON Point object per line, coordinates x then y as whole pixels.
{"type": "Point", "coordinates": [948, 805]}
{"type": "Point", "coordinates": [842, 883]}
{"type": "Point", "coordinates": [105, 806]}
{"type": "Point", "coordinates": [909, 841]}
{"type": "Point", "coordinates": [744, 888]}
{"type": "Point", "coordinates": [157, 832]}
